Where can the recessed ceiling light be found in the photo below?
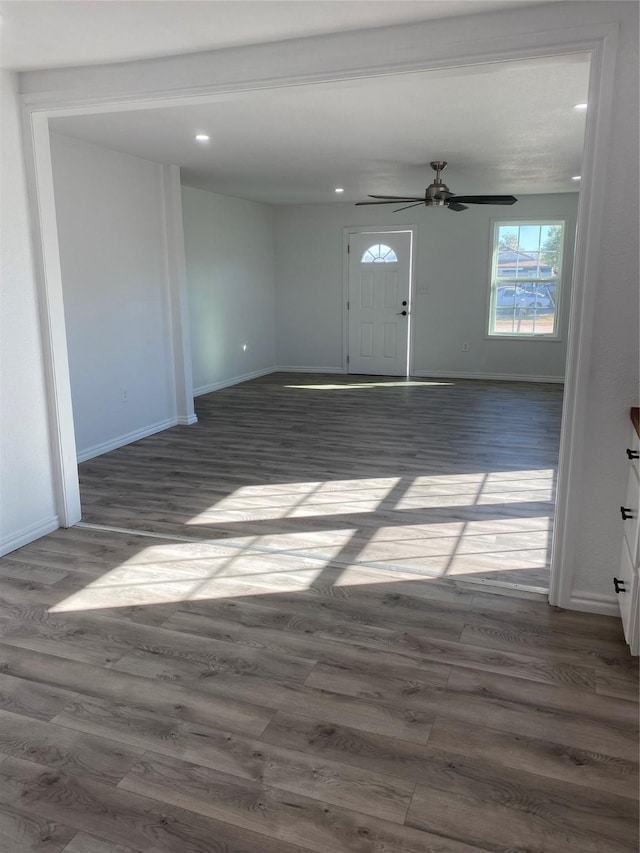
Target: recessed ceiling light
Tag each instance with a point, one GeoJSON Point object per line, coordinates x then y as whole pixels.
{"type": "Point", "coordinates": [580, 106]}
{"type": "Point", "coordinates": [339, 189]}
{"type": "Point", "coordinates": [576, 177]}
{"type": "Point", "coordinates": [202, 137]}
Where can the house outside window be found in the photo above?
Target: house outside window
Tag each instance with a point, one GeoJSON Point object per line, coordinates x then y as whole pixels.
{"type": "Point", "coordinates": [526, 279]}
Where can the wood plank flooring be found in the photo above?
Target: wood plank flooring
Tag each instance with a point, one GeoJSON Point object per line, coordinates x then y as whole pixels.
{"type": "Point", "coordinates": [249, 703]}
{"type": "Point", "coordinates": [441, 477]}
{"type": "Point", "coordinates": [280, 650]}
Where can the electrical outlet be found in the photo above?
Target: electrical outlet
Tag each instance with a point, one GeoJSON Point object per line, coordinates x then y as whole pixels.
{"type": "Point", "coordinates": [465, 347]}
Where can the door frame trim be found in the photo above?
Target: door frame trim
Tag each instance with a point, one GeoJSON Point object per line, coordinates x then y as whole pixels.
{"type": "Point", "coordinates": [347, 231]}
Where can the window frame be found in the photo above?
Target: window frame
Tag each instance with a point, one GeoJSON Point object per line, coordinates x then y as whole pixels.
{"type": "Point", "coordinates": [494, 283]}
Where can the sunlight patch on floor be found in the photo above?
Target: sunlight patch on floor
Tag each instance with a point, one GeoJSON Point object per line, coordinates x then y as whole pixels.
{"type": "Point", "coordinates": [310, 487]}
{"type": "Point", "coordinates": [279, 513]}
{"type": "Point", "coordinates": [157, 581]}
{"type": "Point", "coordinates": [298, 500]}
{"type": "Point", "coordinates": [353, 386]}
{"type": "Point", "coordinates": [493, 488]}
{"type": "Point", "coordinates": [458, 565]}
{"type": "Point", "coordinates": [129, 589]}
{"type": "Point", "coordinates": [275, 501]}
{"type": "Point", "coordinates": [391, 544]}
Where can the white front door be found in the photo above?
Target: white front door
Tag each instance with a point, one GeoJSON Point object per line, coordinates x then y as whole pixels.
{"type": "Point", "coordinates": [379, 293]}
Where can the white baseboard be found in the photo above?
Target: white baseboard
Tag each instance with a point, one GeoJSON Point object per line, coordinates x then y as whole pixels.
{"type": "Point", "coordinates": [316, 369]}
{"type": "Point", "coordinates": [589, 603]}
{"type": "Point", "coordinates": [28, 534]}
{"type": "Point", "coordinates": [121, 440]}
{"type": "Point", "coordinates": [498, 377]}
{"type": "Point", "coordinates": [235, 380]}
{"type": "Point", "coordinates": [186, 420]}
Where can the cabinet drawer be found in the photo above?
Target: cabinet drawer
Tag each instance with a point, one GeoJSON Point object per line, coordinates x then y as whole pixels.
{"type": "Point", "coordinates": [631, 512]}
{"type": "Point", "coordinates": [628, 600]}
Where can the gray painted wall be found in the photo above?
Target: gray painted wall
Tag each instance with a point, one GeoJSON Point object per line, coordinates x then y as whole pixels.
{"type": "Point", "coordinates": [453, 255]}
{"type": "Point", "coordinates": [230, 278]}
{"type": "Point", "coordinates": [111, 230]}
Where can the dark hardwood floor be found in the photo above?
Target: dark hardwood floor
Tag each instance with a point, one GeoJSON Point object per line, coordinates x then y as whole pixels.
{"type": "Point", "coordinates": [248, 668]}
{"type": "Point", "coordinates": [440, 477]}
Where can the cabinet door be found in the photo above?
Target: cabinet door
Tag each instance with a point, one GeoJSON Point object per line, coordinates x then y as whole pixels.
{"type": "Point", "coordinates": [628, 600]}
{"type": "Point", "coordinates": [631, 509]}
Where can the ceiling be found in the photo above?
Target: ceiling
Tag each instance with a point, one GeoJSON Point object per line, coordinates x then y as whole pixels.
{"type": "Point", "coordinates": [504, 127]}
{"type": "Point", "coordinates": [37, 34]}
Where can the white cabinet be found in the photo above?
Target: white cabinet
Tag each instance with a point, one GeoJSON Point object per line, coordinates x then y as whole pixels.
{"type": "Point", "coordinates": [626, 581]}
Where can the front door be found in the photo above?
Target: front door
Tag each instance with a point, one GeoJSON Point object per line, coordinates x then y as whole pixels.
{"type": "Point", "coordinates": [379, 291]}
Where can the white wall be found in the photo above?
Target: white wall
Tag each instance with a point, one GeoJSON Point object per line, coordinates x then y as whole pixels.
{"type": "Point", "coordinates": [27, 506]}
{"type": "Point", "coordinates": [450, 300]}
{"type": "Point", "coordinates": [230, 281]}
{"type": "Point", "coordinates": [111, 229]}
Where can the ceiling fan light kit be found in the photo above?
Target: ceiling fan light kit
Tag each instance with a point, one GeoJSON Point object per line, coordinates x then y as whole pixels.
{"type": "Point", "coordinates": [438, 194]}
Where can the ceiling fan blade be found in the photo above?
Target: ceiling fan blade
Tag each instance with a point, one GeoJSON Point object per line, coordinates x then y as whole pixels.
{"type": "Point", "coordinates": [455, 205]}
{"type": "Point", "coordinates": [399, 197]}
{"type": "Point", "coordinates": [398, 209]}
{"type": "Point", "coordinates": [392, 201]}
{"type": "Point", "coordinates": [483, 199]}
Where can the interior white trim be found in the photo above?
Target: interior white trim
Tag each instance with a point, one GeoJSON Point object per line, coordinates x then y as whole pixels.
{"type": "Point", "coordinates": [48, 275]}
{"type": "Point", "coordinates": [584, 287]}
{"type": "Point", "coordinates": [590, 604]}
{"type": "Point", "coordinates": [294, 63]}
{"type": "Point", "coordinates": [128, 438]}
{"type": "Point", "coordinates": [28, 534]}
{"type": "Point", "coordinates": [178, 296]}
{"type": "Point", "coordinates": [498, 377]}
{"type": "Point", "coordinates": [316, 59]}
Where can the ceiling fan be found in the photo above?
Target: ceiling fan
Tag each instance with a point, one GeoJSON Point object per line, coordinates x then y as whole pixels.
{"type": "Point", "coordinates": [439, 195]}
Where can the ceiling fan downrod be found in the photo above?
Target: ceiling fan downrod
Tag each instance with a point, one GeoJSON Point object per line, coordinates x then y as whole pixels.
{"type": "Point", "coordinates": [437, 194]}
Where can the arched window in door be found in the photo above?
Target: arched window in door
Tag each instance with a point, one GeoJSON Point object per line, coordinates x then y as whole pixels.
{"type": "Point", "coordinates": [379, 254]}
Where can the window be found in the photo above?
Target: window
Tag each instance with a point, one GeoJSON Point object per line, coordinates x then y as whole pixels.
{"type": "Point", "coordinates": [379, 254]}
{"type": "Point", "coordinates": [525, 279]}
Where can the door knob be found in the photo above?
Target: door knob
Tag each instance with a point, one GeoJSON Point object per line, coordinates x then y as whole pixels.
{"type": "Point", "coordinates": [401, 314]}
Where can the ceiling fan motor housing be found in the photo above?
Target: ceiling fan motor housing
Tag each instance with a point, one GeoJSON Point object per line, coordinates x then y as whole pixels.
{"type": "Point", "coordinates": [437, 194]}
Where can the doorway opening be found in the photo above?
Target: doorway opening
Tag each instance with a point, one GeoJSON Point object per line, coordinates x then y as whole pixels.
{"type": "Point", "coordinates": [54, 327]}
